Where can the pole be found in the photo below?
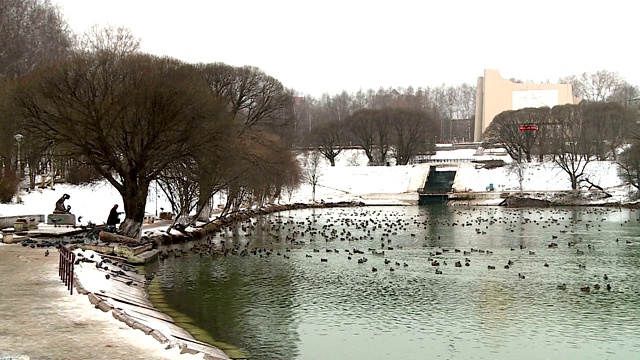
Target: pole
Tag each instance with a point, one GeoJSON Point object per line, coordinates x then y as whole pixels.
{"type": "Point", "coordinates": [18, 138]}
{"type": "Point", "coordinates": [156, 186]}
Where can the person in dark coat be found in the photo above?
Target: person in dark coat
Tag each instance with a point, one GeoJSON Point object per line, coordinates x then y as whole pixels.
{"type": "Point", "coordinates": [114, 217]}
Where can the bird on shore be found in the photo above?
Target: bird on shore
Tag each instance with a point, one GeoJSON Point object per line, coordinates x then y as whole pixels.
{"type": "Point", "coordinates": [46, 253]}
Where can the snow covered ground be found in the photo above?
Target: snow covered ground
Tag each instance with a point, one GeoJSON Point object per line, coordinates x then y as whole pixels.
{"type": "Point", "coordinates": [350, 179]}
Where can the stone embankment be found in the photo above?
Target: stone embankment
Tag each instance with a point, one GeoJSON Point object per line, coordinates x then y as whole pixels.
{"type": "Point", "coordinates": [240, 216]}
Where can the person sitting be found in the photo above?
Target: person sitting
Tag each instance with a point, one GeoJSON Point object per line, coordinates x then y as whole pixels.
{"type": "Point", "coordinates": [60, 208]}
{"type": "Point", "coordinates": [113, 219]}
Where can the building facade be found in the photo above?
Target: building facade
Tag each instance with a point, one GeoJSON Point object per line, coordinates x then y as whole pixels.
{"type": "Point", "coordinates": [495, 95]}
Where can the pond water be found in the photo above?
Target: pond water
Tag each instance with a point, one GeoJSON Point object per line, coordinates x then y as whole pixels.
{"type": "Point", "coordinates": [308, 300]}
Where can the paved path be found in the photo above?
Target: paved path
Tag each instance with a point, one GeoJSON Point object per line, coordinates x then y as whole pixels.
{"type": "Point", "coordinates": [39, 319]}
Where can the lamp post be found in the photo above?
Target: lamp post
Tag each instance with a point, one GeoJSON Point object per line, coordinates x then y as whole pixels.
{"type": "Point", "coordinates": [18, 138]}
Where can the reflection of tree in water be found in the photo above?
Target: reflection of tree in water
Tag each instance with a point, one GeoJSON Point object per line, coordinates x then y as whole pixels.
{"type": "Point", "coordinates": [238, 301]}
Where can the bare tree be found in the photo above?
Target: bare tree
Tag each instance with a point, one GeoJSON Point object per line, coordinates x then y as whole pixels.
{"type": "Point", "coordinates": [413, 131]}
{"type": "Point", "coordinates": [311, 170]}
{"type": "Point", "coordinates": [573, 147]}
{"type": "Point", "coordinates": [361, 129]}
{"type": "Point", "coordinates": [629, 165]}
{"type": "Point", "coordinates": [504, 131]}
{"type": "Point", "coordinates": [117, 41]}
{"type": "Point", "coordinates": [327, 139]}
{"type": "Point", "coordinates": [32, 32]}
{"type": "Point", "coordinates": [598, 86]}
{"type": "Point", "coordinates": [130, 117]}
{"type": "Point", "coordinates": [253, 97]}
{"type": "Point", "coordinates": [608, 125]}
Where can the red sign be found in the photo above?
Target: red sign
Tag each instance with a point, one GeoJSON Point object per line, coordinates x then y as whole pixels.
{"type": "Point", "coordinates": [528, 127]}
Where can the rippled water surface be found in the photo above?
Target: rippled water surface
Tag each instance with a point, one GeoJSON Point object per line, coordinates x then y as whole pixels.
{"type": "Point", "coordinates": [292, 305]}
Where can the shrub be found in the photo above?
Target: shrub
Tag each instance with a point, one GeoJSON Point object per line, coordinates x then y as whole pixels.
{"type": "Point", "coordinates": [81, 174]}
{"type": "Point", "coordinates": [8, 186]}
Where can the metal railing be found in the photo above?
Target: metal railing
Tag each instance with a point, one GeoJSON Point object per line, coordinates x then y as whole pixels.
{"type": "Point", "coordinates": [67, 260]}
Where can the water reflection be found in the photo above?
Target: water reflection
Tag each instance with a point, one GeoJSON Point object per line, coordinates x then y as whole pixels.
{"type": "Point", "coordinates": [291, 305]}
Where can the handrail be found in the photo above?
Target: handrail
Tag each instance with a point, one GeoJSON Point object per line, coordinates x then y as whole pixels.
{"type": "Point", "coordinates": [65, 266]}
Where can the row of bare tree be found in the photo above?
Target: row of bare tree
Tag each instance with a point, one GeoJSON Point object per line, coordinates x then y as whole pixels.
{"type": "Point", "coordinates": [398, 133]}
{"type": "Point", "coordinates": [571, 135]}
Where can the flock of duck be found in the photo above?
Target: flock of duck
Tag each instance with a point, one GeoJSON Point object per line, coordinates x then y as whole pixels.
{"type": "Point", "coordinates": [318, 236]}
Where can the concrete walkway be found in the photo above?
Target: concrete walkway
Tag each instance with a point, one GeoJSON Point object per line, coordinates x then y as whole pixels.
{"type": "Point", "coordinates": [40, 320]}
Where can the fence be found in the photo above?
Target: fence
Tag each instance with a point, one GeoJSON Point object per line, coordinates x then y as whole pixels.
{"type": "Point", "coordinates": [67, 260]}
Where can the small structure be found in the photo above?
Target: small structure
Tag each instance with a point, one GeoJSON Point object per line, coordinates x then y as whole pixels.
{"type": "Point", "coordinates": [7, 236]}
{"type": "Point", "coordinates": [437, 187]}
{"type": "Point", "coordinates": [62, 214]}
{"type": "Point", "coordinates": [61, 219]}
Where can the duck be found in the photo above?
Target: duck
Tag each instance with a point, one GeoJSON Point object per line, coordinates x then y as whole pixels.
{"type": "Point", "coordinates": [596, 287]}
{"type": "Point", "coordinates": [562, 286]}
{"type": "Point", "coordinates": [521, 276]}
{"type": "Point", "coordinates": [373, 269]}
{"type": "Point", "coordinates": [608, 287]}
{"type": "Point", "coordinates": [585, 289]}
{"type": "Point", "coordinates": [546, 264]}
{"type": "Point", "coordinates": [605, 277]}
{"type": "Point", "coordinates": [491, 267]}
{"type": "Point", "coordinates": [438, 272]}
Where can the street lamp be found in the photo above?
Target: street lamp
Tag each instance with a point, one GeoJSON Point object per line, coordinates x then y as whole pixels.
{"type": "Point", "coordinates": [18, 138]}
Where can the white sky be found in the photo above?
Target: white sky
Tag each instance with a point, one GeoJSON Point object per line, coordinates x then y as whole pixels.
{"type": "Point", "coordinates": [329, 46]}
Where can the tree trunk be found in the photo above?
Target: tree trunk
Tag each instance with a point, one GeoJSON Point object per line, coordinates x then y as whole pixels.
{"type": "Point", "coordinates": [313, 191]}
{"type": "Point", "coordinates": [574, 182]}
{"type": "Point", "coordinates": [134, 198]}
{"type": "Point", "coordinates": [332, 160]}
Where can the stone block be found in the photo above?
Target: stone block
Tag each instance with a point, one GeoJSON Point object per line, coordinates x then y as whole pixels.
{"type": "Point", "coordinates": [61, 219]}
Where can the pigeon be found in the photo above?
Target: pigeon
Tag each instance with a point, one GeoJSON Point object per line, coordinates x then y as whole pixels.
{"type": "Point", "coordinates": [107, 276]}
{"type": "Point", "coordinates": [129, 282]}
{"type": "Point", "coordinates": [46, 253]}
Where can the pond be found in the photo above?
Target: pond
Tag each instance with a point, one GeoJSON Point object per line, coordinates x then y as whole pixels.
{"type": "Point", "coordinates": [305, 291]}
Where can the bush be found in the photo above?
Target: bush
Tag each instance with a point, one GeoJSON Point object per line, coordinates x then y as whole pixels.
{"type": "Point", "coordinates": [81, 174]}
{"type": "Point", "coordinates": [8, 187]}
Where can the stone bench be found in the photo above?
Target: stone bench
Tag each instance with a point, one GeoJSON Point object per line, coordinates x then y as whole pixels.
{"type": "Point", "coordinates": [61, 219]}
{"type": "Point", "coordinates": [10, 221]}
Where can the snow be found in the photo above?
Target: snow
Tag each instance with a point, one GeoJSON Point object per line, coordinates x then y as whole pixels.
{"type": "Point", "coordinates": [351, 179]}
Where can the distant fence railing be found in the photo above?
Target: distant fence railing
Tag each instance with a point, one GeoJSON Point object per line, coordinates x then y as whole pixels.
{"type": "Point", "coordinates": [441, 161]}
{"type": "Point", "coordinates": [425, 191]}
{"type": "Point", "coordinates": [67, 260]}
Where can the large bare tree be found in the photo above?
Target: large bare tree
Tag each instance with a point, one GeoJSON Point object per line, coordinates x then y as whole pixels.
{"type": "Point", "coordinates": [327, 139]}
{"type": "Point", "coordinates": [360, 127]}
{"type": "Point", "coordinates": [572, 142]}
{"type": "Point", "coordinates": [597, 86]}
{"type": "Point", "coordinates": [413, 132]}
{"type": "Point", "coordinates": [31, 32]}
{"type": "Point", "coordinates": [128, 116]}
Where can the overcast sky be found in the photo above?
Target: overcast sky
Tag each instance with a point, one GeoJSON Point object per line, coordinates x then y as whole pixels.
{"type": "Point", "coordinates": [329, 46]}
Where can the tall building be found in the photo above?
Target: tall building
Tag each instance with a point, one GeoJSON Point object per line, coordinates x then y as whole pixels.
{"type": "Point", "coordinates": [495, 95]}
